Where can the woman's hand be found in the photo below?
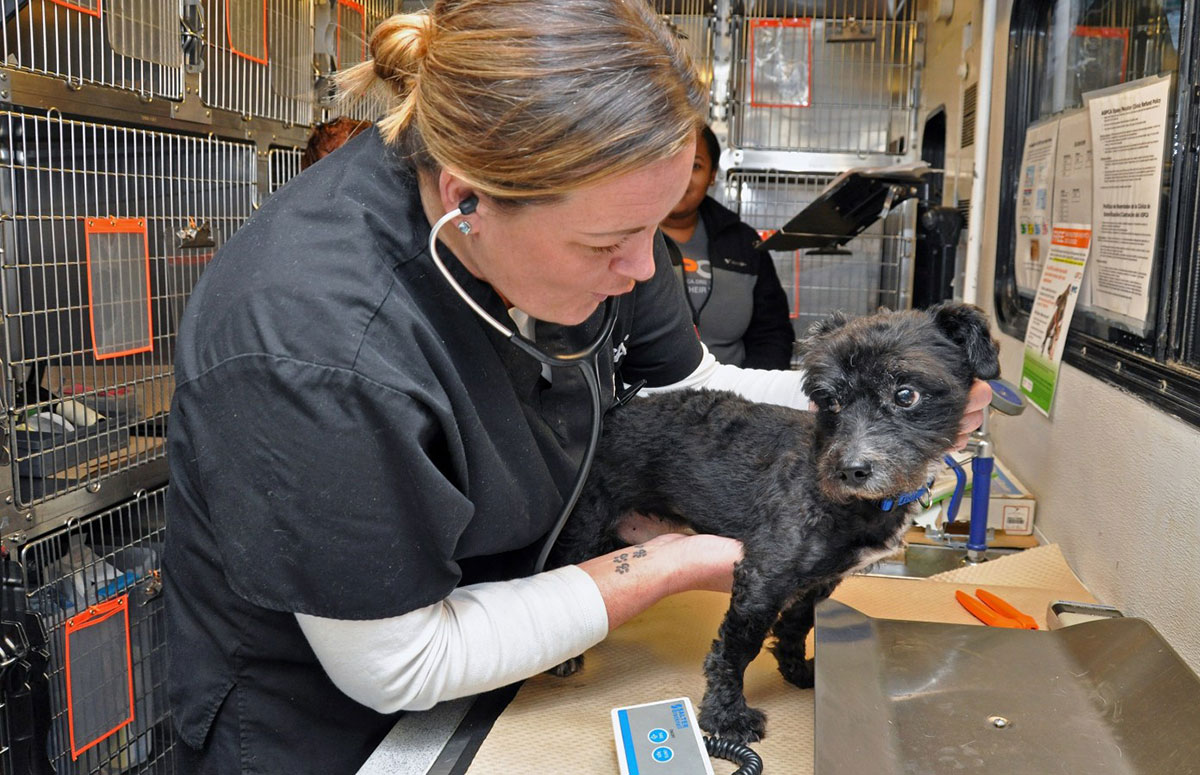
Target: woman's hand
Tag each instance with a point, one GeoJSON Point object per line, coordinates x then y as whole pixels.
{"type": "Point", "coordinates": [977, 403]}
{"type": "Point", "coordinates": [634, 578]}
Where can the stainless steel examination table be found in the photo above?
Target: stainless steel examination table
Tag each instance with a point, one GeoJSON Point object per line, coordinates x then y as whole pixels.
{"type": "Point", "coordinates": [659, 655]}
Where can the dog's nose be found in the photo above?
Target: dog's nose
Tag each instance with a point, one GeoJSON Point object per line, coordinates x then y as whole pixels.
{"type": "Point", "coordinates": [855, 472]}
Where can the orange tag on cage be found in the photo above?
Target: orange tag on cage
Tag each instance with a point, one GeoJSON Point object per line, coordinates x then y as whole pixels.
{"type": "Point", "coordinates": [90, 7]}
{"type": "Point", "coordinates": [118, 281]}
{"type": "Point", "coordinates": [99, 671]}
{"type": "Point", "coordinates": [351, 34]}
{"type": "Point", "coordinates": [246, 29]}
{"type": "Point", "coordinates": [780, 63]}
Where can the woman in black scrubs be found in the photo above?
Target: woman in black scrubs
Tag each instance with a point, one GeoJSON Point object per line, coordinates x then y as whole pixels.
{"type": "Point", "coordinates": [362, 470]}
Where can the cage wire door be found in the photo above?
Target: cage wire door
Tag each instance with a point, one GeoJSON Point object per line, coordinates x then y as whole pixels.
{"type": "Point", "coordinates": [262, 63]}
{"type": "Point", "coordinates": [283, 164]}
{"type": "Point", "coordinates": [343, 40]}
{"type": "Point", "coordinates": [126, 44]}
{"type": "Point", "coordinates": [109, 711]}
{"type": "Point", "coordinates": [692, 21]}
{"type": "Point", "coordinates": [873, 270]}
{"type": "Point", "coordinates": [351, 34]}
{"type": "Point", "coordinates": [105, 231]}
{"type": "Point", "coordinates": [147, 30]}
{"type": "Point", "coordinates": [837, 76]}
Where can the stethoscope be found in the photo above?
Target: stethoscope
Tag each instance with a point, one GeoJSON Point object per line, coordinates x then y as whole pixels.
{"type": "Point", "coordinates": [586, 360]}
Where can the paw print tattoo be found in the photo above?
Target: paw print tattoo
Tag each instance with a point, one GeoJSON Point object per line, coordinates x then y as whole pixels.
{"type": "Point", "coordinates": [623, 568]}
{"type": "Point", "coordinates": [639, 552]}
{"type": "Point", "coordinates": [622, 557]}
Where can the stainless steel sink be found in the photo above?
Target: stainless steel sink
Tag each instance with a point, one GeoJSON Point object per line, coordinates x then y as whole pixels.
{"type": "Point", "coordinates": [919, 561]}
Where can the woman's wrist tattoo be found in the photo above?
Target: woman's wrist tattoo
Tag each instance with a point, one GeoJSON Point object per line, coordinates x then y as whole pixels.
{"type": "Point", "coordinates": [622, 560]}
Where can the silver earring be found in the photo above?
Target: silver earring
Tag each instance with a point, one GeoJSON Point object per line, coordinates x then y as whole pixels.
{"type": "Point", "coordinates": [464, 227]}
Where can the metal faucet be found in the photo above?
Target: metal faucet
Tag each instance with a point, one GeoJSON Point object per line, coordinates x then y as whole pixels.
{"type": "Point", "coordinates": [1006, 399]}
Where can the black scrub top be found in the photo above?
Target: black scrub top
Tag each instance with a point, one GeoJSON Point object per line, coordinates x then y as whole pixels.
{"type": "Point", "coordinates": [348, 440]}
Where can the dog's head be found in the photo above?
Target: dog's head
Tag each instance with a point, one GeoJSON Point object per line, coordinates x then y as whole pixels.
{"type": "Point", "coordinates": [890, 391]}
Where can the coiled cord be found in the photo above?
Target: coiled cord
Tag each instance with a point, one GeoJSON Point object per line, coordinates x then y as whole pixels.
{"type": "Point", "coordinates": [735, 752]}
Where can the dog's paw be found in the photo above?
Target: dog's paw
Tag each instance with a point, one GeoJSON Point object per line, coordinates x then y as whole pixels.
{"type": "Point", "coordinates": [799, 672]}
{"type": "Point", "coordinates": [570, 667]}
{"type": "Point", "coordinates": [744, 724]}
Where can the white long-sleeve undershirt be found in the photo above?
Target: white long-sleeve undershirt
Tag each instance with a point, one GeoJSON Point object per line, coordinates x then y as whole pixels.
{"type": "Point", "coordinates": [484, 636]}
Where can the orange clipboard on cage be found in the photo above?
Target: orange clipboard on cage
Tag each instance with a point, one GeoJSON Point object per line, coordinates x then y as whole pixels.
{"type": "Point", "coordinates": [118, 284]}
{"type": "Point", "coordinates": [99, 673]}
{"type": "Point", "coordinates": [780, 63]}
{"type": "Point", "coordinates": [246, 29]}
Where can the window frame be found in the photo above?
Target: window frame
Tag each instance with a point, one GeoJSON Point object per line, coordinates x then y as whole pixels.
{"type": "Point", "coordinates": [1158, 370]}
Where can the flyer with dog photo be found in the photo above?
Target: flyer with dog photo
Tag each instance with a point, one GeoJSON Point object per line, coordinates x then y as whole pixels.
{"type": "Point", "coordinates": [1053, 306]}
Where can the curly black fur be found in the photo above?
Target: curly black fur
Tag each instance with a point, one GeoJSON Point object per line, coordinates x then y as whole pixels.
{"type": "Point", "coordinates": [800, 490]}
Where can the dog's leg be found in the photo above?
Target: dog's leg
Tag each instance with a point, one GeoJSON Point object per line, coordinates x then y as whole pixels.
{"type": "Point", "coordinates": [791, 632]}
{"type": "Point", "coordinates": [754, 606]}
{"type": "Point", "coordinates": [589, 532]}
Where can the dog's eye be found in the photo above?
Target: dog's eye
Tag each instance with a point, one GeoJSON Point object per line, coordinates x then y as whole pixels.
{"type": "Point", "coordinates": [832, 405]}
{"type": "Point", "coordinates": [906, 397]}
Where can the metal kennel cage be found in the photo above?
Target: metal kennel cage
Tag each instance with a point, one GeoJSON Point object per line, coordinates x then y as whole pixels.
{"type": "Point", "coordinates": [259, 59]}
{"type": "Point", "coordinates": [104, 230]}
{"type": "Point", "coordinates": [872, 270]}
{"type": "Point", "coordinates": [126, 44]}
{"type": "Point", "coordinates": [693, 22]}
{"type": "Point", "coordinates": [343, 29]}
{"type": "Point", "coordinates": [105, 678]}
{"type": "Point", "coordinates": [831, 76]}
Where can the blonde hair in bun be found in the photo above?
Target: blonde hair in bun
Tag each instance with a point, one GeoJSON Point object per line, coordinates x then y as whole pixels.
{"type": "Point", "coordinates": [531, 99]}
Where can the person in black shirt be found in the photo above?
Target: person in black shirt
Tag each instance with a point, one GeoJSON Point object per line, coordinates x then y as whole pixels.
{"type": "Point", "coordinates": [362, 469]}
{"type": "Point", "coordinates": [737, 303]}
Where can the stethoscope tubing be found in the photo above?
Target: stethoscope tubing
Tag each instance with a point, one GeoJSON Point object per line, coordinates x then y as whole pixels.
{"type": "Point", "coordinates": [586, 360]}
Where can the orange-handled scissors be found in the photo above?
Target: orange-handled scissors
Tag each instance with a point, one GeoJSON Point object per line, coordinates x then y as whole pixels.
{"type": "Point", "coordinates": [994, 610]}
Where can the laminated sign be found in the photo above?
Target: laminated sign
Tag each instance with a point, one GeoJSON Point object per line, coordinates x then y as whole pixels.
{"type": "Point", "coordinates": [780, 63]}
{"type": "Point", "coordinates": [99, 673]}
{"type": "Point", "coordinates": [246, 29]}
{"type": "Point", "coordinates": [118, 280]}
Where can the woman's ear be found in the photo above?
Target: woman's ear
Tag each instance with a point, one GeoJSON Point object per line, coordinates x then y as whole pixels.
{"type": "Point", "coordinates": [453, 190]}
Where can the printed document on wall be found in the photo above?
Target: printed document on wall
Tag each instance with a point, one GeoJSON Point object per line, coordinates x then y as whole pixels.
{"type": "Point", "coordinates": [1071, 202]}
{"type": "Point", "coordinates": [1053, 307]}
{"type": "Point", "coordinates": [1129, 132]}
{"type": "Point", "coordinates": [1033, 203]}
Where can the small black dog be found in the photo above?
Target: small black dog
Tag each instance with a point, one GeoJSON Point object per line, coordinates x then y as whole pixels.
{"type": "Point", "coordinates": [812, 496]}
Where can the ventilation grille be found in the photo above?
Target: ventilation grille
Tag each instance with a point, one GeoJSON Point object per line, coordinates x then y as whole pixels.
{"type": "Point", "coordinates": [970, 98]}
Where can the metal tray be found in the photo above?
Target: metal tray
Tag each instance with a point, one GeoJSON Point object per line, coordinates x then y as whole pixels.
{"type": "Point", "coordinates": [917, 697]}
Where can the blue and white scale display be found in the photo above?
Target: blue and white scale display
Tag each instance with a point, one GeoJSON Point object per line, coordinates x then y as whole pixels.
{"type": "Point", "coordinates": [660, 738]}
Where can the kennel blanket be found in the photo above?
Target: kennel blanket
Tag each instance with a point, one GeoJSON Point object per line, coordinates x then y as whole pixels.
{"type": "Point", "coordinates": [658, 655]}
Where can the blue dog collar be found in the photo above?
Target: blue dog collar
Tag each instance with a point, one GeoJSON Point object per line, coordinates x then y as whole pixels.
{"type": "Point", "coordinates": [903, 500]}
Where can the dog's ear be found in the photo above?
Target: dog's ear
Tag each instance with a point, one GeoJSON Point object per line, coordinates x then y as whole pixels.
{"type": "Point", "coordinates": [826, 326]}
{"type": "Point", "coordinates": [967, 326]}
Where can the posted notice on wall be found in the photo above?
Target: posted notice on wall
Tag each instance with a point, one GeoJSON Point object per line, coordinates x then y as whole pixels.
{"type": "Point", "coordinates": [1072, 197]}
{"type": "Point", "coordinates": [1053, 306]}
{"type": "Point", "coordinates": [1062, 282]}
{"type": "Point", "coordinates": [1034, 202]}
{"type": "Point", "coordinates": [1129, 136]}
